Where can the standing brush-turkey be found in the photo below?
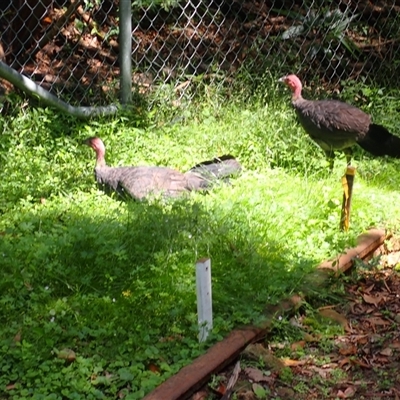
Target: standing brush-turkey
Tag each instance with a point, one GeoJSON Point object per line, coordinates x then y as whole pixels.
{"type": "Point", "coordinates": [335, 125]}
{"type": "Point", "coordinates": [140, 182]}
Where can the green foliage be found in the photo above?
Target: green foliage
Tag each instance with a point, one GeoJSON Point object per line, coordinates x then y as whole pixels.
{"type": "Point", "coordinates": [330, 24]}
{"type": "Point", "coordinates": [383, 102]}
{"type": "Point", "coordinates": [164, 4]}
{"type": "Point", "coordinates": [115, 282]}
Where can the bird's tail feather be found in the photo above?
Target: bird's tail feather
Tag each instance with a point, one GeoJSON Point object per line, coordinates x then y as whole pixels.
{"type": "Point", "coordinates": [217, 168]}
{"type": "Point", "coordinates": [380, 142]}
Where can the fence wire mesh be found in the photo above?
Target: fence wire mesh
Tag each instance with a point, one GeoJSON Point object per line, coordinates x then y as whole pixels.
{"type": "Point", "coordinates": [71, 47]}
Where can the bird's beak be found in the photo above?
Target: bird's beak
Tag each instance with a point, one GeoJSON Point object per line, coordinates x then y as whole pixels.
{"type": "Point", "coordinates": [86, 141]}
{"type": "Point", "coordinates": [282, 79]}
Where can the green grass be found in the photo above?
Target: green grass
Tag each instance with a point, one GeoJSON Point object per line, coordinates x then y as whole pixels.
{"type": "Point", "coordinates": [115, 282]}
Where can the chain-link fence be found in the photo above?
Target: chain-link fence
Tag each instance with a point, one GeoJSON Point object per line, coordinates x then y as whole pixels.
{"type": "Point", "coordinates": [71, 47]}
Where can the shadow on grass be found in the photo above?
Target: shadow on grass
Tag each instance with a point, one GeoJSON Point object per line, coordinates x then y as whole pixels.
{"type": "Point", "coordinates": [145, 258]}
{"type": "Point", "coordinates": [117, 285]}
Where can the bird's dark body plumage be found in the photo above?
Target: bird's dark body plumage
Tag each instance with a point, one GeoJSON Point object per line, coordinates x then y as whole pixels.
{"type": "Point", "coordinates": [335, 125]}
{"type": "Point", "coordinates": [143, 181]}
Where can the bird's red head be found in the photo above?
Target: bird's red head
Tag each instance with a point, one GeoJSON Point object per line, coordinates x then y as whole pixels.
{"type": "Point", "coordinates": [98, 146]}
{"type": "Point", "coordinates": [294, 83]}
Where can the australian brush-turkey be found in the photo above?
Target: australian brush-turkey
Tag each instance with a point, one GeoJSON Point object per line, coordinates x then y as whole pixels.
{"type": "Point", "coordinates": [143, 181]}
{"type": "Point", "coordinates": [335, 125]}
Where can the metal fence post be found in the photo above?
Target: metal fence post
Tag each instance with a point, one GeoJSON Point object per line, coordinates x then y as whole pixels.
{"type": "Point", "coordinates": [125, 50]}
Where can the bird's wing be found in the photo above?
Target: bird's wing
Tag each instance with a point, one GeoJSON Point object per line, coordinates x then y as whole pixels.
{"type": "Point", "coordinates": [141, 182]}
{"type": "Point", "coordinates": [335, 120]}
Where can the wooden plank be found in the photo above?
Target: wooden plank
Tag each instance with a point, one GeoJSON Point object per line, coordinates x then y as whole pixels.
{"type": "Point", "coordinates": [367, 243]}
{"type": "Point", "coordinates": [193, 376]}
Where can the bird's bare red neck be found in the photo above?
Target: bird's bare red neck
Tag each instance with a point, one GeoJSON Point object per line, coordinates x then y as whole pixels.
{"type": "Point", "coordinates": [100, 158]}
{"type": "Point", "coordinates": [98, 146]}
{"type": "Point", "coordinates": [296, 95]}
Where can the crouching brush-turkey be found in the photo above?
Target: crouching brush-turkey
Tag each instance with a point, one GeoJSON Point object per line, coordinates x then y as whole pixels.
{"type": "Point", "coordinates": [335, 125]}
{"type": "Point", "coordinates": [142, 181]}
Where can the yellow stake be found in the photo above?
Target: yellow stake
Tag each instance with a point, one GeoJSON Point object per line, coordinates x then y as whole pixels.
{"type": "Point", "coordinates": [347, 183]}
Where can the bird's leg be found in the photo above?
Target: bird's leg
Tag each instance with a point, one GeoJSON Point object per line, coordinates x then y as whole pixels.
{"type": "Point", "coordinates": [348, 152]}
{"type": "Point", "coordinates": [330, 156]}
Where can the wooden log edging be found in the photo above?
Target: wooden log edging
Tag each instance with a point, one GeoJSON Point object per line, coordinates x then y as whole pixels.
{"type": "Point", "coordinates": [190, 378]}
{"type": "Point", "coordinates": [368, 242]}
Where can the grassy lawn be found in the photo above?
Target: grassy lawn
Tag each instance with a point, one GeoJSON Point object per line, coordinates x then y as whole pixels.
{"type": "Point", "coordinates": [98, 296]}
